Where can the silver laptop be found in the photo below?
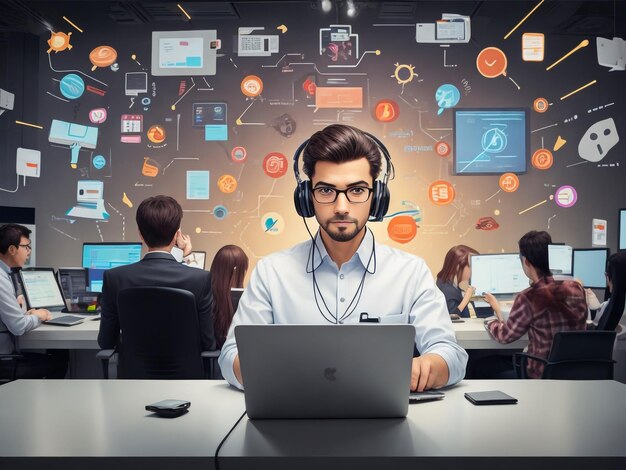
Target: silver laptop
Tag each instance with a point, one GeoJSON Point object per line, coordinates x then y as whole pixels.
{"type": "Point", "coordinates": [41, 290]}
{"type": "Point", "coordinates": [326, 371]}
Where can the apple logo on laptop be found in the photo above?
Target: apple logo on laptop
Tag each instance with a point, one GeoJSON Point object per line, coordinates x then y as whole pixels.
{"type": "Point", "coordinates": [329, 374]}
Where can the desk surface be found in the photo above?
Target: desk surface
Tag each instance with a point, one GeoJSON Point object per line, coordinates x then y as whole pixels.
{"type": "Point", "coordinates": [471, 334]}
{"type": "Point", "coordinates": [76, 420]}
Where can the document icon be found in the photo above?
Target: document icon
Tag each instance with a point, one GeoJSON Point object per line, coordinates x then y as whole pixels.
{"type": "Point", "coordinates": [533, 46]}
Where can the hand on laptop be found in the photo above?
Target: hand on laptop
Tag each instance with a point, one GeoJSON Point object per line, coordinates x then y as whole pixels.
{"type": "Point", "coordinates": [42, 313]}
{"type": "Point", "coordinates": [428, 371]}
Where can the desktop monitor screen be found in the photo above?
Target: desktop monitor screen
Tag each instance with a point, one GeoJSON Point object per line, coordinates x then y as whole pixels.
{"type": "Point", "coordinates": [41, 288]}
{"type": "Point", "coordinates": [621, 243]}
{"type": "Point", "coordinates": [560, 259]}
{"type": "Point", "coordinates": [490, 141]}
{"type": "Point", "coordinates": [499, 273]}
{"type": "Point", "coordinates": [99, 257]}
{"type": "Point", "coordinates": [589, 266]}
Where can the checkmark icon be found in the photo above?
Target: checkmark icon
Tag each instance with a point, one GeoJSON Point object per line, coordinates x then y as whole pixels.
{"type": "Point", "coordinates": [492, 63]}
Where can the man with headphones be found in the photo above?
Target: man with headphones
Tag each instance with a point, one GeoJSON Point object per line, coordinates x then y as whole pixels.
{"type": "Point", "coordinates": [342, 275]}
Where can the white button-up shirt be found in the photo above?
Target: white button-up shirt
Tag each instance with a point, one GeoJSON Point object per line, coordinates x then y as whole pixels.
{"type": "Point", "coordinates": [397, 287]}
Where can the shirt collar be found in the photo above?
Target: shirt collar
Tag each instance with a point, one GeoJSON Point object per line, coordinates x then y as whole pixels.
{"type": "Point", "coordinates": [364, 252]}
{"type": "Point", "coordinates": [5, 267]}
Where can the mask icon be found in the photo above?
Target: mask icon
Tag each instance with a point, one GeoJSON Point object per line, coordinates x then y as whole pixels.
{"type": "Point", "coordinates": [598, 140]}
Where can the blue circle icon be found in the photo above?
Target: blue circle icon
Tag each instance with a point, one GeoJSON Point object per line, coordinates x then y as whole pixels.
{"type": "Point", "coordinates": [447, 96]}
{"type": "Point", "coordinates": [72, 86]}
{"type": "Point", "coordinates": [99, 162]}
{"type": "Point", "coordinates": [494, 140]}
{"type": "Point", "coordinates": [220, 212]}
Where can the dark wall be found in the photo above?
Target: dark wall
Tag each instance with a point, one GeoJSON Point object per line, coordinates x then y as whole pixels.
{"type": "Point", "coordinates": [411, 138]}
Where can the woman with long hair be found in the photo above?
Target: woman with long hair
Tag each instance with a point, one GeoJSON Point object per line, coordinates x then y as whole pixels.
{"type": "Point", "coordinates": [228, 270]}
{"type": "Point", "coordinates": [455, 273]}
{"type": "Point", "coordinates": [616, 283]}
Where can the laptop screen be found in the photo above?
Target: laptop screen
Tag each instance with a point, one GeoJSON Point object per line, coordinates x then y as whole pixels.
{"type": "Point", "coordinates": [41, 288]}
{"type": "Point", "coordinates": [99, 257]}
{"type": "Point", "coordinates": [500, 273]}
{"type": "Point", "coordinates": [73, 281]}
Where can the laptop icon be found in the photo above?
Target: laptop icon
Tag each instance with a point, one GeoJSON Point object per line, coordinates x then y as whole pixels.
{"type": "Point", "coordinates": [326, 371]}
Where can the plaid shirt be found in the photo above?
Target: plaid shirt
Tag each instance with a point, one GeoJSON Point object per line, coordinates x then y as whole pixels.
{"type": "Point", "coordinates": [542, 310]}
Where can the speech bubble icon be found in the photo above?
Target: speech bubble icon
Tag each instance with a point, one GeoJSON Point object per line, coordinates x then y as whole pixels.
{"type": "Point", "coordinates": [491, 62]}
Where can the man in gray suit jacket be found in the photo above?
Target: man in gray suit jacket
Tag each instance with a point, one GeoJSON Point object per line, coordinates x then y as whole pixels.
{"type": "Point", "coordinates": [158, 219]}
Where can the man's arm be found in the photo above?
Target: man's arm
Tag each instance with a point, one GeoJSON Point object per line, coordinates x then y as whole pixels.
{"type": "Point", "coordinates": [11, 313]}
{"type": "Point", "coordinates": [109, 332]}
{"type": "Point", "coordinates": [442, 361]}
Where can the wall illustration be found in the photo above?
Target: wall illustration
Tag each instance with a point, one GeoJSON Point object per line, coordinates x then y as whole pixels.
{"type": "Point", "coordinates": [499, 119]}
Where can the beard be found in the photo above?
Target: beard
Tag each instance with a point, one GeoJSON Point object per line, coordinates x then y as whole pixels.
{"type": "Point", "coordinates": [342, 234]}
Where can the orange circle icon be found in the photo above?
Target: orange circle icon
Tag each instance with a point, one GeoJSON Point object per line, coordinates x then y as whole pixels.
{"type": "Point", "coordinates": [252, 86]}
{"type": "Point", "coordinates": [540, 105]}
{"type": "Point", "coordinates": [441, 193]}
{"type": "Point", "coordinates": [227, 184]}
{"type": "Point", "coordinates": [491, 62]}
{"type": "Point", "coordinates": [442, 148]}
{"type": "Point", "coordinates": [102, 56]}
{"type": "Point", "coordinates": [275, 165]}
{"type": "Point", "coordinates": [402, 229]}
{"type": "Point", "coordinates": [542, 159]}
{"type": "Point", "coordinates": [156, 134]}
{"type": "Point", "coordinates": [509, 182]}
{"type": "Point", "coordinates": [386, 111]}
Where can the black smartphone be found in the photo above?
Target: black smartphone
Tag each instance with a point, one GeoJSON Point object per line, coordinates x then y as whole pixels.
{"type": "Point", "coordinates": [491, 397]}
{"type": "Point", "coordinates": [429, 395]}
{"type": "Point", "coordinates": [169, 408]}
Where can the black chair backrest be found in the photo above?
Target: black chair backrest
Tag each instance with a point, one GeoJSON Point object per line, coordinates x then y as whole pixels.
{"type": "Point", "coordinates": [581, 355]}
{"type": "Point", "coordinates": [614, 310]}
{"type": "Point", "coordinates": [160, 334]}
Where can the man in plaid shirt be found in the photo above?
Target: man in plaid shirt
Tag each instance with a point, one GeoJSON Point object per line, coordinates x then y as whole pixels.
{"type": "Point", "coordinates": [546, 307]}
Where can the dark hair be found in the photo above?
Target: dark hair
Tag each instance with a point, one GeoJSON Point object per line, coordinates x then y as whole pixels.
{"type": "Point", "coordinates": [339, 143]}
{"type": "Point", "coordinates": [158, 219]}
{"type": "Point", "coordinates": [227, 270]}
{"type": "Point", "coordinates": [11, 235]}
{"type": "Point", "coordinates": [534, 247]}
{"type": "Point", "coordinates": [616, 272]}
{"type": "Point", "coordinates": [455, 261]}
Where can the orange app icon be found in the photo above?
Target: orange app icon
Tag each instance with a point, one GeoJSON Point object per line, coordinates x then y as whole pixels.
{"type": "Point", "coordinates": [156, 134]}
{"type": "Point", "coordinates": [491, 62]}
{"type": "Point", "coordinates": [275, 165]}
{"type": "Point", "coordinates": [252, 86]}
{"type": "Point", "coordinates": [509, 182]}
{"type": "Point", "coordinates": [442, 148]}
{"type": "Point", "coordinates": [541, 105]}
{"type": "Point", "coordinates": [402, 229]}
{"type": "Point", "coordinates": [150, 167]}
{"type": "Point", "coordinates": [441, 193]}
{"type": "Point", "coordinates": [227, 184]}
{"type": "Point", "coordinates": [386, 111]}
{"type": "Point", "coordinates": [542, 159]}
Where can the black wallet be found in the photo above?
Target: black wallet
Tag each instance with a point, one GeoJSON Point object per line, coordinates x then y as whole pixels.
{"type": "Point", "coordinates": [492, 397]}
{"type": "Point", "coordinates": [169, 408]}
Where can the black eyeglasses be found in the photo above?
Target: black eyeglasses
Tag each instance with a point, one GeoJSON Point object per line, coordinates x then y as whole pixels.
{"type": "Point", "coordinates": [354, 195]}
{"type": "Point", "coordinates": [27, 246]}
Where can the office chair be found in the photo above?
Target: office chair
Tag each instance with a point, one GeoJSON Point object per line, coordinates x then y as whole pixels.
{"type": "Point", "coordinates": [613, 311]}
{"type": "Point", "coordinates": [160, 336]}
{"type": "Point", "coordinates": [574, 355]}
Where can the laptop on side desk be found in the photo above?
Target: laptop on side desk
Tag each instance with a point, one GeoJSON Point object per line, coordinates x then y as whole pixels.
{"type": "Point", "coordinates": [326, 371]}
{"type": "Point", "coordinates": [42, 290]}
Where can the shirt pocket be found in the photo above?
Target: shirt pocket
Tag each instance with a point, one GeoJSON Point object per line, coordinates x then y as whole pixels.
{"type": "Point", "coordinates": [393, 318]}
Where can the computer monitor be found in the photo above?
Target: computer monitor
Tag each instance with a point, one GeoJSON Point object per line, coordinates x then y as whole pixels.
{"type": "Point", "coordinates": [589, 265]}
{"type": "Point", "coordinates": [490, 141]}
{"type": "Point", "coordinates": [184, 53]}
{"type": "Point", "coordinates": [74, 281]}
{"type": "Point", "coordinates": [41, 288]}
{"type": "Point", "coordinates": [560, 258]}
{"type": "Point", "coordinates": [235, 295]}
{"type": "Point", "coordinates": [498, 273]}
{"type": "Point", "coordinates": [621, 236]}
{"type": "Point", "coordinates": [99, 257]}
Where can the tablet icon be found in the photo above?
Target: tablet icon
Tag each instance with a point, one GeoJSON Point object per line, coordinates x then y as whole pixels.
{"type": "Point", "coordinates": [491, 62]}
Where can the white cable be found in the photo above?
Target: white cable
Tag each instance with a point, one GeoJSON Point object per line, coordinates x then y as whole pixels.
{"type": "Point", "coordinates": [17, 185]}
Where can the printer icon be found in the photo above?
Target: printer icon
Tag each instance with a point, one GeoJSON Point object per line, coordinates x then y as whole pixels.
{"type": "Point", "coordinates": [89, 201]}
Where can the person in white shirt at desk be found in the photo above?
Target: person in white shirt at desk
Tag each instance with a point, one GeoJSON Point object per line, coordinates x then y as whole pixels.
{"type": "Point", "coordinates": [15, 248]}
{"type": "Point", "coordinates": [342, 272]}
